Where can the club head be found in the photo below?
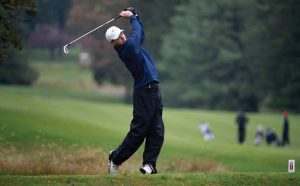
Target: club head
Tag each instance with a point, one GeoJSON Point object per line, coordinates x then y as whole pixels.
{"type": "Point", "coordinates": [66, 49]}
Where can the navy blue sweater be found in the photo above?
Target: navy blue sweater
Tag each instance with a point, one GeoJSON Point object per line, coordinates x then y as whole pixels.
{"type": "Point", "coordinates": [137, 60]}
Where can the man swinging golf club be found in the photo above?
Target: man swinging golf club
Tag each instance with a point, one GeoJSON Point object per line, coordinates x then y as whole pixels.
{"type": "Point", "coordinates": [147, 123]}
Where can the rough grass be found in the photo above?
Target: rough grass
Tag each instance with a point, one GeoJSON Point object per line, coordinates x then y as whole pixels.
{"type": "Point", "coordinates": [52, 159]}
{"type": "Point", "coordinates": [257, 179]}
{"type": "Point", "coordinates": [56, 160]}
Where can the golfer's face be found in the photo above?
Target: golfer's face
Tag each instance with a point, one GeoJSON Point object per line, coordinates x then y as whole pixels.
{"type": "Point", "coordinates": [121, 39]}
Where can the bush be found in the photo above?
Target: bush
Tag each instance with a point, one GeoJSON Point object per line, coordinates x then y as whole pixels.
{"type": "Point", "coordinates": [15, 70]}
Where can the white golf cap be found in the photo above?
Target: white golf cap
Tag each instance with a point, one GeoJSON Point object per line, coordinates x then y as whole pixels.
{"type": "Point", "coordinates": [113, 33]}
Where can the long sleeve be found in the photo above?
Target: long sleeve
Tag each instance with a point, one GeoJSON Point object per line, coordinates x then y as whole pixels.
{"type": "Point", "coordinates": [137, 36]}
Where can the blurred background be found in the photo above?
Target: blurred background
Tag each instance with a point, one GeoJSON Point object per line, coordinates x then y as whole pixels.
{"type": "Point", "coordinates": [228, 55]}
{"type": "Point", "coordinates": [62, 113]}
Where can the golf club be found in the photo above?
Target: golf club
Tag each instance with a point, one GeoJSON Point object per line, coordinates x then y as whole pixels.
{"type": "Point", "coordinates": [66, 46]}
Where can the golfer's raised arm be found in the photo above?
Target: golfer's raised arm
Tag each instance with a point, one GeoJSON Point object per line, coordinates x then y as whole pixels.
{"type": "Point", "coordinates": [137, 36]}
{"type": "Point", "coordinates": [142, 38]}
{"type": "Point", "coordinates": [137, 30]}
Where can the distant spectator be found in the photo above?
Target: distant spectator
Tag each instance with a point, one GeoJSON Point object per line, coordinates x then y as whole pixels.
{"type": "Point", "coordinates": [259, 136]}
{"type": "Point", "coordinates": [285, 131]}
{"type": "Point", "coordinates": [206, 132]}
{"type": "Point", "coordinates": [241, 121]}
{"type": "Point", "coordinates": [271, 137]}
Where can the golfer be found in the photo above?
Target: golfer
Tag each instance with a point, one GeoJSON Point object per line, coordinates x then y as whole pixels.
{"type": "Point", "coordinates": [147, 123]}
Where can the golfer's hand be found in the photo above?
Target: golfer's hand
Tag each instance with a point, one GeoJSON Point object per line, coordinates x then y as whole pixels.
{"type": "Point", "coordinates": [126, 14]}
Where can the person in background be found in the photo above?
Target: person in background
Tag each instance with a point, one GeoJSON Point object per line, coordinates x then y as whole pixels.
{"type": "Point", "coordinates": [259, 135]}
{"type": "Point", "coordinates": [206, 132]}
{"type": "Point", "coordinates": [271, 137]}
{"type": "Point", "coordinates": [285, 131]}
{"type": "Point", "coordinates": [241, 121]}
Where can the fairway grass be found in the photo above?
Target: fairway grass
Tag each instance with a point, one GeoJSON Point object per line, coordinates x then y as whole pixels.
{"type": "Point", "coordinates": [76, 129]}
{"type": "Point", "coordinates": [272, 179]}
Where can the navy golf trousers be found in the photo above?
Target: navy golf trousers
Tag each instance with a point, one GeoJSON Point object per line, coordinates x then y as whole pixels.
{"type": "Point", "coordinates": [147, 123]}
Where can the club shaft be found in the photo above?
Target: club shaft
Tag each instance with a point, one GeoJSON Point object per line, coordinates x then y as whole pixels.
{"type": "Point", "coordinates": [94, 29]}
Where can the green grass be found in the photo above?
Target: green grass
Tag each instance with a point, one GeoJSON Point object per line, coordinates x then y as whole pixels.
{"type": "Point", "coordinates": [162, 179]}
{"type": "Point", "coordinates": [64, 76]}
{"type": "Point", "coordinates": [30, 118]}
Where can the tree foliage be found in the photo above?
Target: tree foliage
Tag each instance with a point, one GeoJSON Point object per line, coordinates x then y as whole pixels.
{"type": "Point", "coordinates": [157, 16]}
{"type": "Point", "coordinates": [230, 54]}
{"type": "Point", "coordinates": [204, 56]}
{"type": "Point", "coordinates": [12, 12]}
{"type": "Point", "coordinates": [48, 29]}
{"type": "Point", "coordinates": [279, 50]}
{"type": "Point", "coordinates": [15, 70]}
{"type": "Point", "coordinates": [13, 16]}
{"type": "Point", "coordinates": [52, 12]}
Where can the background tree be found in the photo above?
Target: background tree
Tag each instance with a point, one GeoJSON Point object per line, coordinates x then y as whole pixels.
{"type": "Point", "coordinates": [48, 30]}
{"type": "Point", "coordinates": [13, 66]}
{"type": "Point", "coordinates": [12, 13]}
{"type": "Point", "coordinates": [15, 70]}
{"type": "Point", "coordinates": [279, 52]}
{"type": "Point", "coordinates": [205, 58]}
{"type": "Point", "coordinates": [156, 16]}
{"type": "Point", "coordinates": [52, 12]}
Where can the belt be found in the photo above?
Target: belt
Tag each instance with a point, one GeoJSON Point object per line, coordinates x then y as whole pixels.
{"type": "Point", "coordinates": [152, 85]}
